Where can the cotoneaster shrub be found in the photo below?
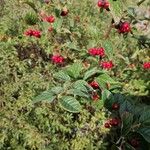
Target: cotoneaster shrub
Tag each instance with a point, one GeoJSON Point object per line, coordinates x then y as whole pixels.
{"type": "Point", "coordinates": [74, 75]}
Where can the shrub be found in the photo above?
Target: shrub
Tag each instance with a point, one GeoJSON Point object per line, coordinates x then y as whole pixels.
{"type": "Point", "coordinates": [74, 75]}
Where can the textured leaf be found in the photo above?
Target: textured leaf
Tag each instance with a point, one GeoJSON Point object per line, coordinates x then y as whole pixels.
{"type": "Point", "coordinates": [126, 106]}
{"type": "Point", "coordinates": [61, 75]}
{"type": "Point", "coordinates": [57, 24]}
{"type": "Point", "coordinates": [75, 69]}
{"type": "Point", "coordinates": [70, 104]}
{"type": "Point", "coordinates": [116, 8]}
{"type": "Point", "coordinates": [82, 85]}
{"type": "Point", "coordinates": [127, 120]}
{"type": "Point", "coordinates": [104, 79]}
{"type": "Point", "coordinates": [108, 49]}
{"type": "Point", "coordinates": [91, 72]}
{"type": "Point", "coordinates": [78, 92]}
{"type": "Point", "coordinates": [145, 116]}
{"type": "Point", "coordinates": [57, 89]}
{"type": "Point", "coordinates": [105, 95]}
{"type": "Point", "coordinates": [145, 132]}
{"type": "Point", "coordinates": [45, 96]}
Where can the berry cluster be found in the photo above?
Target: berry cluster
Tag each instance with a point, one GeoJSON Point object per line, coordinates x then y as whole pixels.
{"type": "Point", "coordinates": [97, 51]}
{"type": "Point", "coordinates": [103, 4]}
{"type": "Point", "coordinates": [94, 85]}
{"type": "Point", "coordinates": [114, 122]}
{"type": "Point", "coordinates": [107, 64]}
{"type": "Point", "coordinates": [146, 65]}
{"type": "Point", "coordinates": [35, 33]}
{"type": "Point", "coordinates": [124, 27]}
{"type": "Point", "coordinates": [50, 19]}
{"type": "Point", "coordinates": [57, 59]}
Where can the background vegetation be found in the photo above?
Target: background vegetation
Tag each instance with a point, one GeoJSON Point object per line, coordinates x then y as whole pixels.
{"type": "Point", "coordinates": [50, 106]}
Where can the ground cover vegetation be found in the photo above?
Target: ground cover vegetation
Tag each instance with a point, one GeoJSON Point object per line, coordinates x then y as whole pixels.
{"type": "Point", "coordinates": [74, 75]}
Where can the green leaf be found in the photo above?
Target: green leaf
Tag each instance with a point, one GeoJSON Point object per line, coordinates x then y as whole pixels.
{"type": "Point", "coordinates": [78, 92]}
{"type": "Point", "coordinates": [57, 89]}
{"type": "Point", "coordinates": [62, 76]}
{"type": "Point", "coordinates": [145, 116]}
{"type": "Point", "coordinates": [126, 106]}
{"type": "Point", "coordinates": [105, 95]}
{"type": "Point", "coordinates": [31, 4]}
{"type": "Point", "coordinates": [72, 46]}
{"type": "Point", "coordinates": [91, 72]}
{"type": "Point", "coordinates": [70, 104]}
{"type": "Point", "coordinates": [108, 49]}
{"type": "Point", "coordinates": [104, 79]}
{"type": "Point", "coordinates": [45, 96]}
{"type": "Point", "coordinates": [117, 8]}
{"type": "Point", "coordinates": [75, 69]}
{"type": "Point", "coordinates": [57, 24]}
{"type": "Point", "coordinates": [99, 104]}
{"type": "Point", "coordinates": [145, 132]}
{"type": "Point", "coordinates": [83, 86]}
{"type": "Point", "coordinates": [127, 120]}
{"type": "Point", "coordinates": [31, 18]}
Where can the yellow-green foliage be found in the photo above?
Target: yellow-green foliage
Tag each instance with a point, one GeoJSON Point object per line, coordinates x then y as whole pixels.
{"type": "Point", "coordinates": [46, 126]}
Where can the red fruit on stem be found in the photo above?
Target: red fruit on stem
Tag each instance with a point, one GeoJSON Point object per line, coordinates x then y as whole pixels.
{"type": "Point", "coordinates": [35, 33]}
{"type": "Point", "coordinates": [124, 27]}
{"type": "Point", "coordinates": [114, 122]}
{"type": "Point", "coordinates": [100, 3]}
{"type": "Point", "coordinates": [50, 19]}
{"type": "Point", "coordinates": [64, 12]}
{"type": "Point", "coordinates": [106, 5]}
{"type": "Point", "coordinates": [135, 143]}
{"type": "Point", "coordinates": [107, 65]}
{"type": "Point", "coordinates": [94, 84]}
{"type": "Point", "coordinates": [103, 4]}
{"type": "Point", "coordinates": [146, 65]}
{"type": "Point", "coordinates": [97, 51]}
{"type": "Point", "coordinates": [29, 32]}
{"type": "Point", "coordinates": [101, 51]}
{"type": "Point", "coordinates": [115, 106]}
{"type": "Point", "coordinates": [57, 59]}
{"type": "Point", "coordinates": [107, 125]}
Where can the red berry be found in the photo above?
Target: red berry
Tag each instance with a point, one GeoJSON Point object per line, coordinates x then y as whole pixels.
{"type": "Point", "coordinates": [35, 33]}
{"type": "Point", "coordinates": [64, 12]}
{"type": "Point", "coordinates": [97, 51]}
{"type": "Point", "coordinates": [146, 65]}
{"type": "Point", "coordinates": [46, 1]}
{"type": "Point", "coordinates": [57, 59]}
{"type": "Point", "coordinates": [103, 4]}
{"type": "Point", "coordinates": [106, 5]}
{"type": "Point", "coordinates": [124, 27]}
{"type": "Point", "coordinates": [101, 51]}
{"type": "Point", "coordinates": [114, 122]}
{"type": "Point", "coordinates": [115, 106]}
{"type": "Point", "coordinates": [94, 84]}
{"type": "Point", "coordinates": [107, 125]}
{"type": "Point", "coordinates": [135, 143]}
{"type": "Point", "coordinates": [100, 3]}
{"type": "Point", "coordinates": [50, 29]}
{"type": "Point", "coordinates": [107, 65]}
{"type": "Point", "coordinates": [29, 32]}
{"type": "Point", "coordinates": [95, 96]}
{"type": "Point", "coordinates": [50, 19]}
